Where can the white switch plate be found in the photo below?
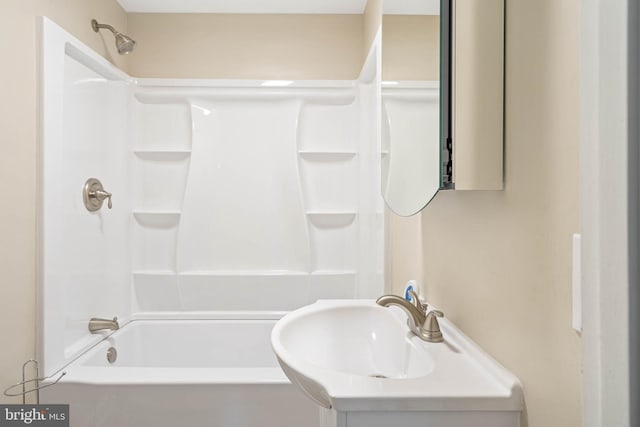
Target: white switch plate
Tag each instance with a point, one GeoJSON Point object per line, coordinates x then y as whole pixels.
{"type": "Point", "coordinates": [576, 285]}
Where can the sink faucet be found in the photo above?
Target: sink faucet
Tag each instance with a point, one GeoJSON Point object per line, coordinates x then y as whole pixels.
{"type": "Point", "coordinates": [424, 325]}
{"type": "Point", "coordinates": [96, 324]}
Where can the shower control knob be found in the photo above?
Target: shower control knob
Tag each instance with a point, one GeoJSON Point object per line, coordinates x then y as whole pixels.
{"type": "Point", "coordinates": [93, 195]}
{"type": "Point", "coordinates": [101, 195]}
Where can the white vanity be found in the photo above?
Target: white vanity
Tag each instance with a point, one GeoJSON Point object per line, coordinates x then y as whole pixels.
{"type": "Point", "coordinates": [361, 362]}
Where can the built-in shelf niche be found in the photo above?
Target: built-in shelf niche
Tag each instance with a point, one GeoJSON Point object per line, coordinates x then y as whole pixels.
{"type": "Point", "coordinates": [154, 241]}
{"type": "Point", "coordinates": [328, 156]}
{"type": "Point", "coordinates": [166, 152]}
{"type": "Point", "coordinates": [161, 126]}
{"type": "Point", "coordinates": [158, 217]}
{"type": "Point", "coordinates": [330, 183]}
{"type": "Point", "coordinates": [159, 180]}
{"type": "Point", "coordinates": [334, 240]}
{"type": "Point", "coordinates": [329, 126]}
{"type": "Point", "coordinates": [161, 147]}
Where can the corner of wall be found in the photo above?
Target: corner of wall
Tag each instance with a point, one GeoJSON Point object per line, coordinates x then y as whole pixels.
{"type": "Point", "coordinates": [372, 22]}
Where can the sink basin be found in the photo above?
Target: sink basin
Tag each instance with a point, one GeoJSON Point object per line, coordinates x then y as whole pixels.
{"type": "Point", "coordinates": [354, 355]}
{"type": "Point", "coordinates": [362, 340]}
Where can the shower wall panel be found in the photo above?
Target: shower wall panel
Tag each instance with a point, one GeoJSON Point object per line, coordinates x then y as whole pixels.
{"type": "Point", "coordinates": [83, 257]}
{"type": "Point", "coordinates": [254, 203]}
{"type": "Point", "coordinates": [242, 208]}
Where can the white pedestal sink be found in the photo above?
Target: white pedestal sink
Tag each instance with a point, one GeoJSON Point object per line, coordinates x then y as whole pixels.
{"type": "Point", "coordinates": [361, 361]}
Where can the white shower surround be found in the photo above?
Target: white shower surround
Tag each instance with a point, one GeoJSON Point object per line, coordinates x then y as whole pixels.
{"type": "Point", "coordinates": [258, 189]}
{"type": "Point", "coordinates": [180, 158]}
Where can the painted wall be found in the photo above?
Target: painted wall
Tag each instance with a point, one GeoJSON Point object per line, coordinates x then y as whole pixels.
{"type": "Point", "coordinates": [18, 120]}
{"type": "Point", "coordinates": [499, 263]}
{"type": "Point", "coordinates": [372, 22]}
{"type": "Point", "coordinates": [247, 46]}
{"type": "Point", "coordinates": [410, 47]}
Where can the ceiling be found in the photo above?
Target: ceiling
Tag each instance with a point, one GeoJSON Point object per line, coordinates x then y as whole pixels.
{"type": "Point", "coordinates": [244, 6]}
{"type": "Point", "coordinates": [411, 7]}
{"type": "Point", "coordinates": [404, 7]}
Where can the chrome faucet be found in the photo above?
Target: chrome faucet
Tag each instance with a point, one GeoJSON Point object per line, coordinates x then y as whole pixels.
{"type": "Point", "coordinates": [96, 324]}
{"type": "Point", "coordinates": [424, 325]}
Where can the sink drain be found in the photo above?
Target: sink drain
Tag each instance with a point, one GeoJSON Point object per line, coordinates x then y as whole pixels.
{"type": "Point", "coordinates": [377, 376]}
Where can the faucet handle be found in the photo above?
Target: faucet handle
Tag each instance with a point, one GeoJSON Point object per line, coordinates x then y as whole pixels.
{"type": "Point", "coordinates": [93, 195]}
{"type": "Point", "coordinates": [415, 300]}
{"type": "Point", "coordinates": [101, 195]}
{"type": "Point", "coordinates": [431, 328]}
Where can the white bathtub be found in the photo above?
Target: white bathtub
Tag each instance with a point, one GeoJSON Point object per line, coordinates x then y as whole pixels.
{"type": "Point", "coordinates": [174, 373]}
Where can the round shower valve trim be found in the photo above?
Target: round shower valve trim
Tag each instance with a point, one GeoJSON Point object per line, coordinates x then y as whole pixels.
{"type": "Point", "coordinates": [93, 195]}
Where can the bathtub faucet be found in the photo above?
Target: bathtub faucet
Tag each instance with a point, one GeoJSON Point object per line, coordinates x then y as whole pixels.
{"type": "Point", "coordinates": [96, 324]}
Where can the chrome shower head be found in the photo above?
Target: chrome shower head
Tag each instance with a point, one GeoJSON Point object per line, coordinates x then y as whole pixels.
{"type": "Point", "coordinates": [124, 43]}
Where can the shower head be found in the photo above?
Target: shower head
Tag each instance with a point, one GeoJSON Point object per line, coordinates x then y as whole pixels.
{"type": "Point", "coordinates": [124, 43]}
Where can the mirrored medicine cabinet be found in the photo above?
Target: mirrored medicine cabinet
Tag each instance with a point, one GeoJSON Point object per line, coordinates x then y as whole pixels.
{"type": "Point", "coordinates": [442, 99]}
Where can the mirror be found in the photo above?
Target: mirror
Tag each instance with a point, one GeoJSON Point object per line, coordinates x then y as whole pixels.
{"type": "Point", "coordinates": [410, 104]}
{"type": "Point", "coordinates": [442, 99]}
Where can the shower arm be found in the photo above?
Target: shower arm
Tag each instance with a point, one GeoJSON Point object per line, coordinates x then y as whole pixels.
{"type": "Point", "coordinates": [96, 27]}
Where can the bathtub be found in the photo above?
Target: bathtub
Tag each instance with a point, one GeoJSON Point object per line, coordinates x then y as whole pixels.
{"type": "Point", "coordinates": [174, 373]}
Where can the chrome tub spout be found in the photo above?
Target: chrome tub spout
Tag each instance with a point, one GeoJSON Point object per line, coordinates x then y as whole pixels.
{"type": "Point", "coordinates": [96, 325]}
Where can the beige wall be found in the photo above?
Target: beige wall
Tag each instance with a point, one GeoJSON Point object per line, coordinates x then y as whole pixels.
{"type": "Point", "coordinates": [478, 104]}
{"type": "Point", "coordinates": [372, 21]}
{"type": "Point", "coordinates": [18, 162]}
{"type": "Point", "coordinates": [404, 241]}
{"type": "Point", "coordinates": [499, 263]}
{"type": "Point", "coordinates": [410, 47]}
{"type": "Point", "coordinates": [247, 46]}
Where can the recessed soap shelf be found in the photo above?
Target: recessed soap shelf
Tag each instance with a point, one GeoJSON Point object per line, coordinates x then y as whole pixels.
{"type": "Point", "coordinates": [331, 219]}
{"type": "Point", "coordinates": [157, 219]}
{"type": "Point", "coordinates": [162, 155]}
{"type": "Point", "coordinates": [327, 155]}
